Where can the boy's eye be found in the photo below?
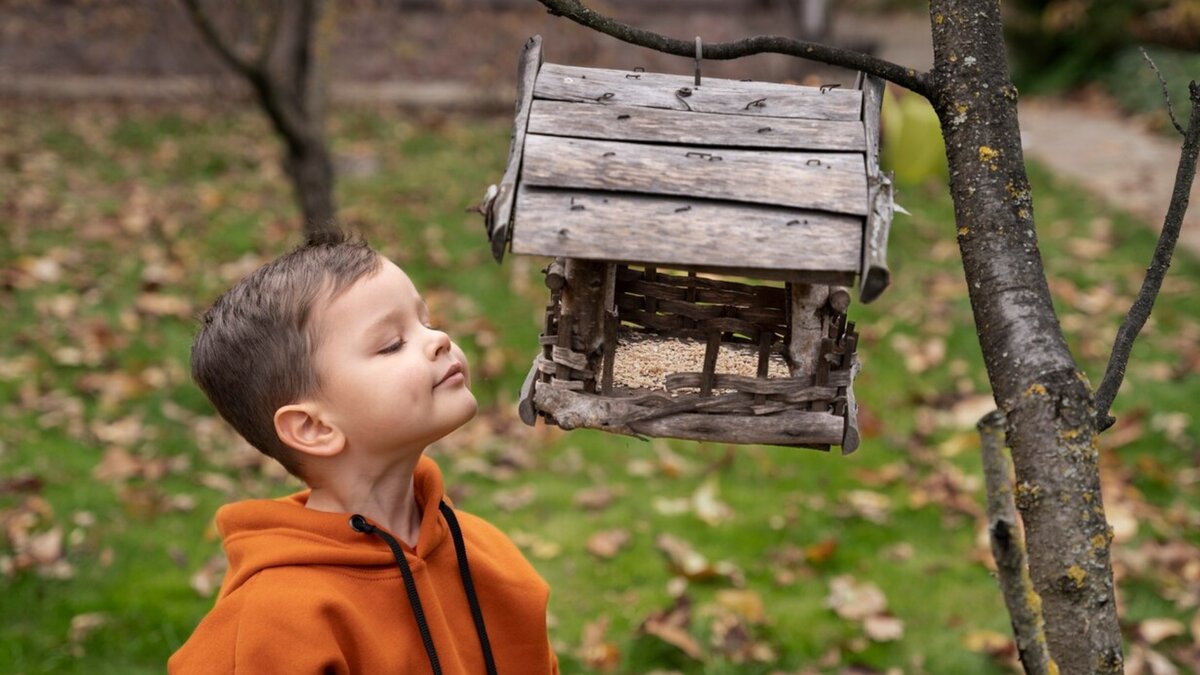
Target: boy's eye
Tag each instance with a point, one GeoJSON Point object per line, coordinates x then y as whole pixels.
{"type": "Point", "coordinates": [392, 347]}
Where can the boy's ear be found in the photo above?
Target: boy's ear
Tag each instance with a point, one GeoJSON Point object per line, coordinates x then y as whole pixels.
{"type": "Point", "coordinates": [301, 427]}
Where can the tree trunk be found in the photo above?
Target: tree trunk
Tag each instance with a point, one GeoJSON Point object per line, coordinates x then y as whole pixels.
{"type": "Point", "coordinates": [311, 171]}
{"type": "Point", "coordinates": [286, 75]}
{"type": "Point", "coordinates": [1034, 378]}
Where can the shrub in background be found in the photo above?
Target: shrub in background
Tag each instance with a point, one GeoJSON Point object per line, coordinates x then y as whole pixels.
{"type": "Point", "coordinates": [1062, 44]}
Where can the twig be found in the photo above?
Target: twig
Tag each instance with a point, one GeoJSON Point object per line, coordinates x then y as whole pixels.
{"type": "Point", "coordinates": [227, 51]}
{"type": "Point", "coordinates": [1166, 94]}
{"type": "Point", "coordinates": [1008, 549]}
{"type": "Point", "coordinates": [1144, 303]}
{"type": "Point", "coordinates": [763, 44]}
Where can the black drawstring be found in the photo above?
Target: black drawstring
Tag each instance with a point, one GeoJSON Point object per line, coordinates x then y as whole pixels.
{"type": "Point", "coordinates": [464, 571]}
{"type": "Point", "coordinates": [360, 524]}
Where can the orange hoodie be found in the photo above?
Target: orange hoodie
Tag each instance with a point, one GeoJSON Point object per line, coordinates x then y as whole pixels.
{"type": "Point", "coordinates": [305, 592]}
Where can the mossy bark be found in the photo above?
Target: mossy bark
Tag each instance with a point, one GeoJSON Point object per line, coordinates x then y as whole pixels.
{"type": "Point", "coordinates": [1034, 378]}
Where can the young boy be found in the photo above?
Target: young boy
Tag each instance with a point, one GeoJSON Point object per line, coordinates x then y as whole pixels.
{"type": "Point", "coordinates": [325, 360]}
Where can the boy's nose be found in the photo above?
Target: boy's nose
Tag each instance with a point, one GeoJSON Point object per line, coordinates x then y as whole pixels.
{"type": "Point", "coordinates": [439, 342]}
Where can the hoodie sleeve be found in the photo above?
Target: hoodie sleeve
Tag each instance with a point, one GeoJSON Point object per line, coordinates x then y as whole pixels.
{"type": "Point", "coordinates": [263, 633]}
{"type": "Point", "coordinates": [283, 631]}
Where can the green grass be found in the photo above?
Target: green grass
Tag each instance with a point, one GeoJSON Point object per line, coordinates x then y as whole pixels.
{"type": "Point", "coordinates": [105, 205]}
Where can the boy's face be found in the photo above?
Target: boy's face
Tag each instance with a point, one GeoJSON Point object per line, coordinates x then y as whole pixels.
{"type": "Point", "coordinates": [389, 382]}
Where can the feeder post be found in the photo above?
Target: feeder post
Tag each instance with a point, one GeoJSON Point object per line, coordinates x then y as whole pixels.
{"type": "Point", "coordinates": [807, 303]}
{"type": "Point", "coordinates": [583, 296]}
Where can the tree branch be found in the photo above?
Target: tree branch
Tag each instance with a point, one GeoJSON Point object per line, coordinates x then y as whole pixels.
{"type": "Point", "coordinates": [1008, 549]}
{"type": "Point", "coordinates": [763, 44]}
{"type": "Point", "coordinates": [1144, 303]}
{"type": "Point", "coordinates": [1166, 94]}
{"type": "Point", "coordinates": [227, 51]}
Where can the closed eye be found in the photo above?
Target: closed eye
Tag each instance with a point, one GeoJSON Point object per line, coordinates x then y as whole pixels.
{"type": "Point", "coordinates": [392, 347]}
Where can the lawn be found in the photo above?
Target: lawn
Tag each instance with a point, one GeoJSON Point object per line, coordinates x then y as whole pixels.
{"type": "Point", "coordinates": [122, 223]}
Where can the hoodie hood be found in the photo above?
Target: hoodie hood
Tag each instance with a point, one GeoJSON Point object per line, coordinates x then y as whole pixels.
{"type": "Point", "coordinates": [259, 534]}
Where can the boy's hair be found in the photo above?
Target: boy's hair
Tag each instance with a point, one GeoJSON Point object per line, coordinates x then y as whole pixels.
{"type": "Point", "coordinates": [254, 350]}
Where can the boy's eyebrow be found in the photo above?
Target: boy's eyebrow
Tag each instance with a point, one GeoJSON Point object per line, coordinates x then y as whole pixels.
{"type": "Point", "coordinates": [394, 315]}
{"type": "Point", "coordinates": [384, 321]}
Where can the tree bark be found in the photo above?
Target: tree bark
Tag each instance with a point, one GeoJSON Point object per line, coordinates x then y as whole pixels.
{"type": "Point", "coordinates": [1034, 378]}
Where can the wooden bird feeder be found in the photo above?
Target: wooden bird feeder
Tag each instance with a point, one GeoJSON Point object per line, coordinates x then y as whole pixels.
{"type": "Point", "coordinates": [703, 240]}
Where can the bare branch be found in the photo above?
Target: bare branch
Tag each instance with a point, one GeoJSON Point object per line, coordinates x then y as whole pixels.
{"type": "Point", "coordinates": [226, 50]}
{"type": "Point", "coordinates": [1144, 303]}
{"type": "Point", "coordinates": [762, 44]}
{"type": "Point", "coordinates": [267, 47]}
{"type": "Point", "coordinates": [1008, 549]}
{"type": "Point", "coordinates": [1166, 94]}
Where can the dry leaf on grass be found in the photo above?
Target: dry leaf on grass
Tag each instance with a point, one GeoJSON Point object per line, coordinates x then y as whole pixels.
{"type": "Point", "coordinates": [596, 498]}
{"type": "Point", "coordinates": [689, 563]}
{"type": "Point", "coordinates": [206, 580]}
{"type": "Point", "coordinates": [883, 628]}
{"type": "Point", "coordinates": [671, 626]}
{"type": "Point", "coordinates": [607, 543]}
{"type": "Point", "coordinates": [1154, 631]}
{"type": "Point", "coordinates": [513, 500]}
{"type": "Point", "coordinates": [745, 603]}
{"type": "Point", "coordinates": [1142, 660]}
{"type": "Point", "coordinates": [855, 600]}
{"type": "Point", "coordinates": [596, 652]}
{"type": "Point", "coordinates": [538, 547]}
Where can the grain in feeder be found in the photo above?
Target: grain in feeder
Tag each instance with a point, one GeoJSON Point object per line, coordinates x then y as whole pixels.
{"type": "Point", "coordinates": [703, 241]}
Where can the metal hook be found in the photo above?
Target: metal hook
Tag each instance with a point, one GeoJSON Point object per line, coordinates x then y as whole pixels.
{"type": "Point", "coordinates": [827, 87]}
{"type": "Point", "coordinates": [698, 57]}
{"type": "Point", "coordinates": [756, 103]}
{"type": "Point", "coordinates": [813, 162]}
{"type": "Point", "coordinates": [682, 93]}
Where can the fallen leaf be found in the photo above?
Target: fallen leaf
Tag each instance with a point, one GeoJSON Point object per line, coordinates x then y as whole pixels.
{"type": "Point", "coordinates": [158, 304]}
{"type": "Point", "coordinates": [46, 547]}
{"type": "Point", "coordinates": [206, 580]}
{"type": "Point", "coordinates": [607, 543]}
{"type": "Point", "coordinates": [596, 498]}
{"type": "Point", "coordinates": [83, 625]}
{"type": "Point", "coordinates": [855, 600]}
{"type": "Point", "coordinates": [513, 500]}
{"type": "Point", "coordinates": [118, 464]}
{"type": "Point", "coordinates": [596, 651]}
{"type": "Point", "coordinates": [733, 639]}
{"type": "Point", "coordinates": [542, 549]}
{"type": "Point", "coordinates": [1142, 660]}
{"type": "Point", "coordinates": [989, 642]}
{"type": "Point", "coordinates": [883, 628]}
{"type": "Point", "coordinates": [746, 603]}
{"type": "Point", "coordinates": [872, 506]}
{"type": "Point", "coordinates": [685, 561]}
{"type": "Point", "coordinates": [1156, 630]}
{"type": "Point", "coordinates": [671, 626]}
{"type": "Point", "coordinates": [821, 551]}
{"type": "Point", "coordinates": [706, 506]}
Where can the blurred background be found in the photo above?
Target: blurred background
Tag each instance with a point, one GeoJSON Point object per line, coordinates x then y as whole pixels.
{"type": "Point", "coordinates": [139, 177]}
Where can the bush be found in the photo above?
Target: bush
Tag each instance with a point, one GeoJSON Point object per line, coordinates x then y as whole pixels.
{"type": "Point", "coordinates": [1062, 44]}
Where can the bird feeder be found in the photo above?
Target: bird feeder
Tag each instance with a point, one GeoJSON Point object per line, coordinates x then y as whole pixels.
{"type": "Point", "coordinates": [703, 237]}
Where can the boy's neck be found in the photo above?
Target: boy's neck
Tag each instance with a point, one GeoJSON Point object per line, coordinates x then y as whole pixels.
{"type": "Point", "coordinates": [385, 496]}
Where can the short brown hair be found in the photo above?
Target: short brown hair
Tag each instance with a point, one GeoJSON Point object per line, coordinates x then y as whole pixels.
{"type": "Point", "coordinates": [254, 350]}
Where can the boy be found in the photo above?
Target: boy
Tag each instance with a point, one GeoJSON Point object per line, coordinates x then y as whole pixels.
{"type": "Point", "coordinates": [324, 359]}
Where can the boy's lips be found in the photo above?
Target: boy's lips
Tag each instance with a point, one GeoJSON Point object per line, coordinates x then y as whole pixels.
{"type": "Point", "coordinates": [455, 369]}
